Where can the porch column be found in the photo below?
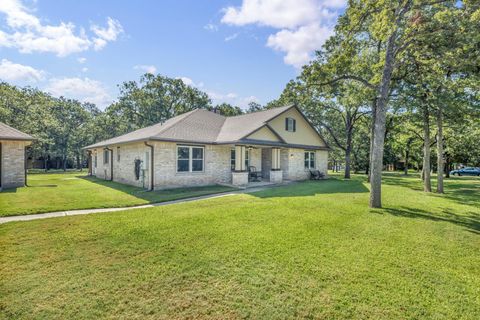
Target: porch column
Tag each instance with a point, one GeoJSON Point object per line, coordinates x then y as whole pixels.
{"type": "Point", "coordinates": [240, 155]}
{"type": "Point", "coordinates": [240, 175]}
{"type": "Point", "coordinates": [276, 174]}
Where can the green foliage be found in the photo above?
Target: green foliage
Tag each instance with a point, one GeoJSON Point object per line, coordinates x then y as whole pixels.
{"type": "Point", "coordinates": [75, 190]}
{"type": "Point", "coordinates": [312, 250]}
{"type": "Point", "coordinates": [226, 109]}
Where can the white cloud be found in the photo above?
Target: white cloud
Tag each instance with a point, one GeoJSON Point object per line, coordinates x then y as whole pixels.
{"type": "Point", "coordinates": [303, 25]}
{"type": "Point", "coordinates": [28, 34]}
{"type": "Point", "coordinates": [272, 13]}
{"type": "Point", "coordinates": [82, 60]}
{"type": "Point", "coordinates": [146, 68]}
{"type": "Point", "coordinates": [211, 27]}
{"type": "Point", "coordinates": [219, 97]}
{"type": "Point", "coordinates": [189, 82]}
{"type": "Point", "coordinates": [231, 37]}
{"type": "Point", "coordinates": [299, 44]}
{"type": "Point", "coordinates": [104, 35]}
{"type": "Point", "coordinates": [15, 72]}
{"type": "Point", "coordinates": [84, 69]}
{"type": "Point", "coordinates": [85, 90]}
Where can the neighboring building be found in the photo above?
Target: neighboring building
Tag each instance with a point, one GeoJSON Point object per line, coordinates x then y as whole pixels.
{"type": "Point", "coordinates": [203, 148]}
{"type": "Point", "coordinates": [12, 156]}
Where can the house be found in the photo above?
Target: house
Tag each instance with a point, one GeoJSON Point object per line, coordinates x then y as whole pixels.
{"type": "Point", "coordinates": [12, 156]}
{"type": "Point", "coordinates": [203, 148]}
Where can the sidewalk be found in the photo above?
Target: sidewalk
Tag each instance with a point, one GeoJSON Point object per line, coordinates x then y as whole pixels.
{"type": "Point", "coordinates": [89, 211]}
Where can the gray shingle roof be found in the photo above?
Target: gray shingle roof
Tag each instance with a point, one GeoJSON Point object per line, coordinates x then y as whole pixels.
{"type": "Point", "coordinates": [199, 126]}
{"type": "Point", "coordinates": [9, 133]}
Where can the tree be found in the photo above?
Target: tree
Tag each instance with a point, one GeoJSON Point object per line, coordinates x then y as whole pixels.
{"type": "Point", "coordinates": [392, 27]}
{"type": "Point", "coordinates": [154, 99]}
{"type": "Point", "coordinates": [226, 109]}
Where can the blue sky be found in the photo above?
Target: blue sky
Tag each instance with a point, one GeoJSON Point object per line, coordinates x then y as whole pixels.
{"type": "Point", "coordinates": [236, 51]}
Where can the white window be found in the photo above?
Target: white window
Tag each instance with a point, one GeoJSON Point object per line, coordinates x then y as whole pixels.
{"type": "Point", "coordinates": [232, 158]}
{"type": "Point", "coordinates": [309, 159]}
{"type": "Point", "coordinates": [105, 156]}
{"type": "Point", "coordinates": [290, 124]}
{"type": "Point", "coordinates": [190, 159]}
{"type": "Point", "coordinates": [147, 160]}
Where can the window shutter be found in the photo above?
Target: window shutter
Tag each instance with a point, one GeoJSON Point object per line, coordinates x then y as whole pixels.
{"type": "Point", "coordinates": [294, 125]}
{"type": "Point", "coordinates": [286, 124]}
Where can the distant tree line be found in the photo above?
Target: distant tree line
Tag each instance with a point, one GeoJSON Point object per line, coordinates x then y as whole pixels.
{"type": "Point", "coordinates": [62, 127]}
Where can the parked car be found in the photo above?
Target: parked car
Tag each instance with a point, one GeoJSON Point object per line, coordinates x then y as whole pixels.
{"type": "Point", "coordinates": [469, 171]}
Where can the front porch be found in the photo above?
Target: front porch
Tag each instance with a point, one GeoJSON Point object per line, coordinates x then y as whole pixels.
{"type": "Point", "coordinates": [256, 166]}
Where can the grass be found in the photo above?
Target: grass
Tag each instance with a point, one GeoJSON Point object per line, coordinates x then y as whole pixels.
{"type": "Point", "coordinates": [312, 250]}
{"type": "Point", "coordinates": [75, 190]}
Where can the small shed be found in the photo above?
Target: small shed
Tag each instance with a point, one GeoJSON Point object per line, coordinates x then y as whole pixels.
{"type": "Point", "coordinates": [12, 156]}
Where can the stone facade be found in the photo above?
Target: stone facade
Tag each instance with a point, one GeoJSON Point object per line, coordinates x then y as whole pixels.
{"type": "Point", "coordinates": [13, 163]}
{"type": "Point", "coordinates": [276, 176]}
{"type": "Point", "coordinates": [216, 169]}
{"type": "Point", "coordinates": [239, 179]}
{"type": "Point", "coordinates": [293, 163]}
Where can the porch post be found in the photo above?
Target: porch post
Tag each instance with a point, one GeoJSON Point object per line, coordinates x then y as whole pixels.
{"type": "Point", "coordinates": [240, 174]}
{"type": "Point", "coordinates": [276, 174]}
{"type": "Point", "coordinates": [240, 155]}
{"type": "Point", "coordinates": [275, 159]}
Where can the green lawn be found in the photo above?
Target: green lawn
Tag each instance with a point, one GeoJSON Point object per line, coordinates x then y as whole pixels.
{"type": "Point", "coordinates": [75, 190]}
{"type": "Point", "coordinates": [311, 250]}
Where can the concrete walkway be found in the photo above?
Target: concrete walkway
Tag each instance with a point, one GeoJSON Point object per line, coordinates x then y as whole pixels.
{"type": "Point", "coordinates": [158, 204]}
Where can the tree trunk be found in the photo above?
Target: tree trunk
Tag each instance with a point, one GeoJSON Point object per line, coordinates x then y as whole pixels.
{"type": "Point", "coordinates": [407, 155]}
{"type": "Point", "coordinates": [64, 159]}
{"type": "Point", "coordinates": [427, 184]}
{"type": "Point", "coordinates": [447, 165]}
{"type": "Point", "coordinates": [372, 131]}
{"type": "Point", "coordinates": [347, 163]}
{"type": "Point", "coordinates": [348, 149]}
{"type": "Point", "coordinates": [379, 128]}
{"type": "Point", "coordinates": [78, 161]}
{"type": "Point", "coordinates": [440, 163]}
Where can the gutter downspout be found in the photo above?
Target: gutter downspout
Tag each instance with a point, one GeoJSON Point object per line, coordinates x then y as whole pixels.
{"type": "Point", "coordinates": [151, 165]}
{"type": "Point", "coordinates": [111, 162]}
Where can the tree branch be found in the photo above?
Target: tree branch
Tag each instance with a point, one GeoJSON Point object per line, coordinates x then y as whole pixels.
{"type": "Point", "coordinates": [348, 77]}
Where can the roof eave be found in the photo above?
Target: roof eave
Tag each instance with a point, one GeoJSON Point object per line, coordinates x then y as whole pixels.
{"type": "Point", "coordinates": [18, 138]}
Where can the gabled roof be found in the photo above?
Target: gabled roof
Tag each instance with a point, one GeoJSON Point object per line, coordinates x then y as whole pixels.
{"type": "Point", "coordinates": [200, 126]}
{"type": "Point", "coordinates": [9, 133]}
{"type": "Point", "coordinates": [236, 128]}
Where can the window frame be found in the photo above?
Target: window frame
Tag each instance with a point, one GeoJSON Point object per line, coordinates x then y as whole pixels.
{"type": "Point", "coordinates": [233, 160]}
{"type": "Point", "coordinates": [106, 158]}
{"type": "Point", "coordinates": [290, 124]}
{"type": "Point", "coordinates": [190, 159]}
{"type": "Point", "coordinates": [308, 159]}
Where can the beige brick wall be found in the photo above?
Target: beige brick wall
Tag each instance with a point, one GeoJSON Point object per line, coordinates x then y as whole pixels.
{"type": "Point", "coordinates": [123, 169]}
{"type": "Point", "coordinates": [13, 163]}
{"type": "Point", "coordinates": [216, 165]}
{"type": "Point", "coordinates": [294, 162]}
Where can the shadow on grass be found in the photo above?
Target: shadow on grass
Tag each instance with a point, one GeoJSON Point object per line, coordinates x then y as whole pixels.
{"type": "Point", "coordinates": [159, 195]}
{"type": "Point", "coordinates": [470, 220]}
{"type": "Point", "coordinates": [463, 190]}
{"type": "Point", "coordinates": [42, 186]}
{"type": "Point", "coordinates": [311, 188]}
